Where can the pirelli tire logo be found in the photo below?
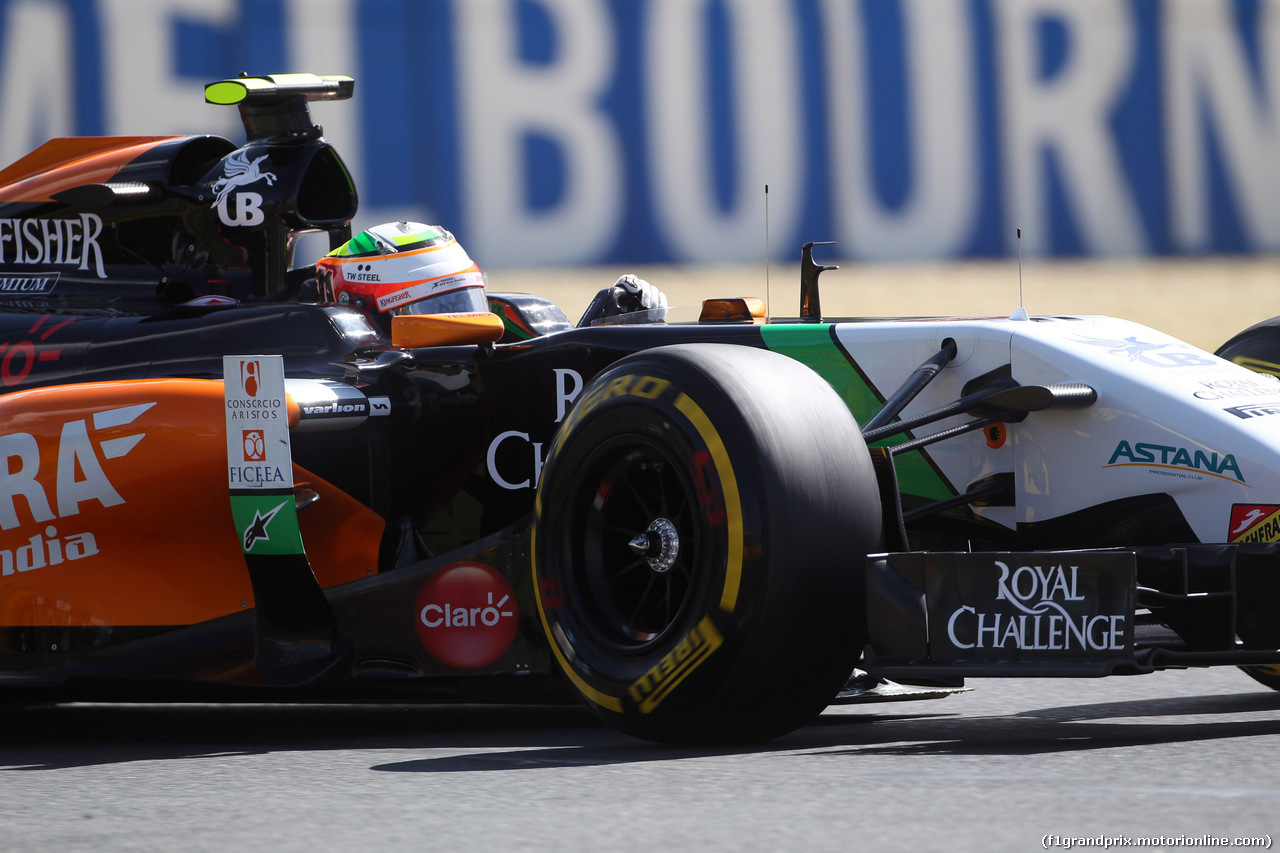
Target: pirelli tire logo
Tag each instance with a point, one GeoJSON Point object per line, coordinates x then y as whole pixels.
{"type": "Point", "coordinates": [656, 684]}
{"type": "Point", "coordinates": [514, 460]}
{"type": "Point", "coordinates": [629, 385]}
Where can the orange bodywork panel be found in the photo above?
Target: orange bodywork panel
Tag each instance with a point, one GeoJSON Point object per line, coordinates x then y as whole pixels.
{"type": "Point", "coordinates": [733, 309]}
{"type": "Point", "coordinates": [67, 162]}
{"type": "Point", "coordinates": [439, 330]}
{"type": "Point", "coordinates": [114, 509]}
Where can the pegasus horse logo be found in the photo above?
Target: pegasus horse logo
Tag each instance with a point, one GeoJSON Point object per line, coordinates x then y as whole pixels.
{"type": "Point", "coordinates": [240, 171]}
{"type": "Point", "coordinates": [1172, 354]}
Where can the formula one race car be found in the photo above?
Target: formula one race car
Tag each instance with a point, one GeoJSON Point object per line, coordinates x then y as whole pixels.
{"type": "Point", "coordinates": [220, 484]}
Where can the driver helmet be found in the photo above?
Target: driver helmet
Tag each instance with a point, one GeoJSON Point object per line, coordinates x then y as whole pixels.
{"type": "Point", "coordinates": [404, 268]}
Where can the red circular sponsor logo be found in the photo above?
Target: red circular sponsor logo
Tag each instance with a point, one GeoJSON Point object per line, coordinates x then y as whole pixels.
{"type": "Point", "coordinates": [466, 615]}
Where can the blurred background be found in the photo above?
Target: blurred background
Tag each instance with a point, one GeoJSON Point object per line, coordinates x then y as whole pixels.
{"type": "Point", "coordinates": [1135, 143]}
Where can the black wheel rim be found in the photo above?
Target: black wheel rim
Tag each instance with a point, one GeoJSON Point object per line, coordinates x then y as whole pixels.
{"type": "Point", "coordinates": [634, 545]}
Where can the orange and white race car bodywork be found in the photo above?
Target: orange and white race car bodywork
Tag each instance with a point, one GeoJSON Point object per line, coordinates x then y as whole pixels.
{"type": "Point", "coordinates": [114, 509]}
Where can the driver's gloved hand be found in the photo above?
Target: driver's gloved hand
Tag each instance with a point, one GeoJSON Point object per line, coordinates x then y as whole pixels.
{"type": "Point", "coordinates": [640, 293]}
{"type": "Point", "coordinates": [626, 295]}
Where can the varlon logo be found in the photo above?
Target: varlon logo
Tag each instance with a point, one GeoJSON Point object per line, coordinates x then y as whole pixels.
{"type": "Point", "coordinates": [78, 480]}
{"type": "Point", "coordinates": [53, 241]}
{"type": "Point", "coordinates": [342, 408]}
{"type": "Point", "coordinates": [1179, 461]}
{"type": "Point", "coordinates": [1044, 614]}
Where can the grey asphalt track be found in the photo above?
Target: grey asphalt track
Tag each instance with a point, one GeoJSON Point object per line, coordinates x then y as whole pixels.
{"type": "Point", "coordinates": [1175, 754]}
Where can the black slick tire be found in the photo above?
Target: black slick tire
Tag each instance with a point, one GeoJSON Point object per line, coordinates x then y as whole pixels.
{"type": "Point", "coordinates": [700, 537]}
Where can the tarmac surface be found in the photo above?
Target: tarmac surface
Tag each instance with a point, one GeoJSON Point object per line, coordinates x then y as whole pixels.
{"type": "Point", "coordinates": [1179, 754]}
{"type": "Point", "coordinates": [1014, 765]}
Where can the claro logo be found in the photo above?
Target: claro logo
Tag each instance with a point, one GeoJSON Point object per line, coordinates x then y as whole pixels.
{"type": "Point", "coordinates": [78, 479]}
{"type": "Point", "coordinates": [466, 615]}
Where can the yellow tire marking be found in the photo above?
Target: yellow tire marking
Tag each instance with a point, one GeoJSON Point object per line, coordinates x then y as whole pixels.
{"type": "Point", "coordinates": [688, 655]}
{"type": "Point", "coordinates": [732, 502]}
{"type": "Point", "coordinates": [733, 569]}
{"type": "Point", "coordinates": [604, 700]}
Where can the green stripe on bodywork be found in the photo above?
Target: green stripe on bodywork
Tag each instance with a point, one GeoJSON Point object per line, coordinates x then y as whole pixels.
{"type": "Point", "coordinates": [811, 344]}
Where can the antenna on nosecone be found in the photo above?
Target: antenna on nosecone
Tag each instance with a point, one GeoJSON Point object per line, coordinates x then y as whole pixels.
{"type": "Point", "coordinates": [766, 251]}
{"type": "Point", "coordinates": [1021, 303]}
{"type": "Point", "coordinates": [1021, 313]}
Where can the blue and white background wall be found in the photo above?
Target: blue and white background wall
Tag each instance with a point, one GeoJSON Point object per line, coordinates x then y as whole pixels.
{"type": "Point", "coordinates": [622, 131]}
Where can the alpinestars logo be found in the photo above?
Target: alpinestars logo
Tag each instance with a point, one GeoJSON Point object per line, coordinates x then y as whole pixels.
{"type": "Point", "coordinates": [257, 531]}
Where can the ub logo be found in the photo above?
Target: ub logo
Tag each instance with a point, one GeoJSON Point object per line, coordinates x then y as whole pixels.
{"type": "Point", "coordinates": [240, 172]}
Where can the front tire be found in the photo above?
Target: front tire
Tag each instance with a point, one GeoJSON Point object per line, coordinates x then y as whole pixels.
{"type": "Point", "coordinates": [702, 524]}
{"type": "Point", "coordinates": [1266, 675]}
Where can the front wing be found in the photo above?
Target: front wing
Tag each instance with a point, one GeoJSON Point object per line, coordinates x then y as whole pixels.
{"type": "Point", "coordinates": [1072, 613]}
